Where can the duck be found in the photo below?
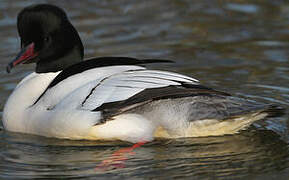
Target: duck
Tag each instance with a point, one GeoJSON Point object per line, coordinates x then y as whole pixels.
{"type": "Point", "coordinates": [110, 98]}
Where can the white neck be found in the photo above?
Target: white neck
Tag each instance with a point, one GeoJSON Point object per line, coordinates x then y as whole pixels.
{"type": "Point", "coordinates": [23, 96]}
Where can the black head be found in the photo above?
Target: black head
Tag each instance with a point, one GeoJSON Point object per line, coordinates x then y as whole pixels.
{"type": "Point", "coordinates": [47, 39]}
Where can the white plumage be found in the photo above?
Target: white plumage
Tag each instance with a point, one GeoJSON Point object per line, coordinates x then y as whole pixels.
{"type": "Point", "coordinates": [64, 110]}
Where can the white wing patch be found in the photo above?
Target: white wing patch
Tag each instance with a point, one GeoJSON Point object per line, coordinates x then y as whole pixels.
{"type": "Point", "coordinates": [121, 86]}
{"type": "Point", "coordinates": [95, 87]}
{"type": "Point", "coordinates": [71, 91]}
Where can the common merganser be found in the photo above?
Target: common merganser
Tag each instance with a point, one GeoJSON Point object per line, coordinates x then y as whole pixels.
{"type": "Point", "coordinates": [110, 98]}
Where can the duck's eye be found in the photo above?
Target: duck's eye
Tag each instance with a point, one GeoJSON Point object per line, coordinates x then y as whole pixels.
{"type": "Point", "coordinates": [46, 39]}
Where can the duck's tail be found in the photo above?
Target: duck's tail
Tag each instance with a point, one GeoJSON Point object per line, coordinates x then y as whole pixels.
{"type": "Point", "coordinates": [274, 110]}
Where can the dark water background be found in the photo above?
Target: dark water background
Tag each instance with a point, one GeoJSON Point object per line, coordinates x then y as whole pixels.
{"type": "Point", "coordinates": [238, 46]}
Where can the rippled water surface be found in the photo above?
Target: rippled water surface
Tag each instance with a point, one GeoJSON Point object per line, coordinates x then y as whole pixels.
{"type": "Point", "coordinates": [237, 46]}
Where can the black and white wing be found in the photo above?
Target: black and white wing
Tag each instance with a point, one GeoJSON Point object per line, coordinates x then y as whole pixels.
{"type": "Point", "coordinates": [130, 89]}
{"type": "Point", "coordinates": [125, 85]}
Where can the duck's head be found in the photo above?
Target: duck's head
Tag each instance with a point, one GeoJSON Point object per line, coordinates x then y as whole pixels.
{"type": "Point", "coordinates": [47, 39]}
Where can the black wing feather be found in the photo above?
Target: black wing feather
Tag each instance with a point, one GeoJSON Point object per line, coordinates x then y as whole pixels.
{"type": "Point", "coordinates": [152, 94]}
{"type": "Point", "coordinates": [101, 62]}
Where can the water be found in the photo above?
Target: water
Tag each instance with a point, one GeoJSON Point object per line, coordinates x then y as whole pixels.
{"type": "Point", "coordinates": [237, 46]}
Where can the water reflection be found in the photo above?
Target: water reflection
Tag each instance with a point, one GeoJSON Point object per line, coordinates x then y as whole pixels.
{"type": "Point", "coordinates": [254, 152]}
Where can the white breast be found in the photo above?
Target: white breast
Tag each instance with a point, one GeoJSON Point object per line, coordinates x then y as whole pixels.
{"type": "Point", "coordinates": [23, 96]}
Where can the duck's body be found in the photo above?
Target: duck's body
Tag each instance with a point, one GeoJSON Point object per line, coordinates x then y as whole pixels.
{"type": "Point", "coordinates": [113, 97]}
{"type": "Point", "coordinates": [126, 102]}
